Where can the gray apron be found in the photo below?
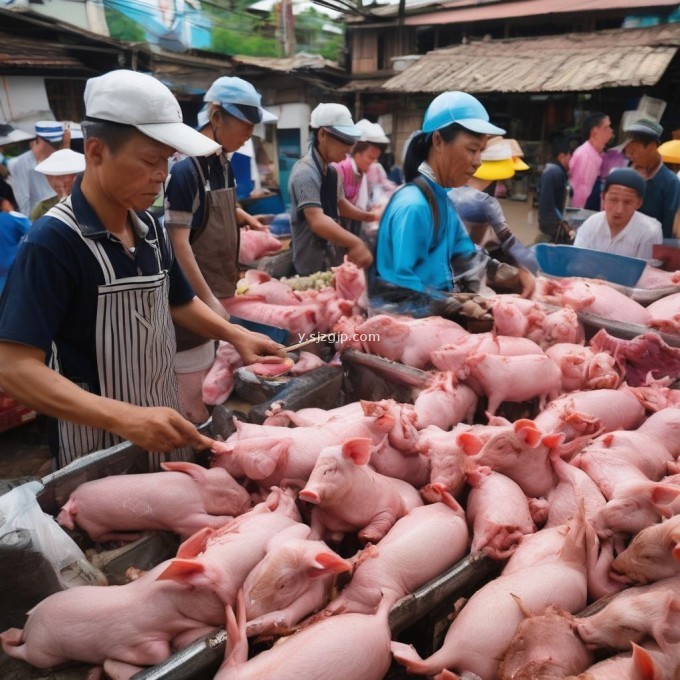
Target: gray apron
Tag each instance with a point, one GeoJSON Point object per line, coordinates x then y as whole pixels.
{"type": "Point", "coordinates": [215, 245]}
{"type": "Point", "coordinates": [135, 348]}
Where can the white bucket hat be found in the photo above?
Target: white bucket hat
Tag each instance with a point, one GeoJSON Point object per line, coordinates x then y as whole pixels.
{"type": "Point", "coordinates": [62, 162]}
{"type": "Point", "coordinates": [372, 132]}
{"type": "Point", "coordinates": [137, 99]}
{"type": "Point", "coordinates": [11, 135]}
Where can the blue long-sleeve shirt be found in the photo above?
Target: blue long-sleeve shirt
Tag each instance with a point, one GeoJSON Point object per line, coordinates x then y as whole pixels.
{"type": "Point", "coordinates": [406, 252]}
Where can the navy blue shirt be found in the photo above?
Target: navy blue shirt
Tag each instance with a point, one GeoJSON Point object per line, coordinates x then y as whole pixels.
{"type": "Point", "coordinates": [552, 195]}
{"type": "Point", "coordinates": [185, 193]}
{"type": "Point", "coordinates": [662, 199]}
{"type": "Point", "coordinates": [51, 291]}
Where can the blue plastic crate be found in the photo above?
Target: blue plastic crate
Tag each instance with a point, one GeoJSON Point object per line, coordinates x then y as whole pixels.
{"type": "Point", "coordinates": [562, 260]}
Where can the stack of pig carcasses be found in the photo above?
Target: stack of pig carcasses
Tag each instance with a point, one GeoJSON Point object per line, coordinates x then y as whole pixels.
{"type": "Point", "coordinates": [557, 444]}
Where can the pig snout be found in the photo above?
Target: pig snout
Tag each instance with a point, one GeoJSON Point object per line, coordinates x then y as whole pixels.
{"type": "Point", "coordinates": [310, 496]}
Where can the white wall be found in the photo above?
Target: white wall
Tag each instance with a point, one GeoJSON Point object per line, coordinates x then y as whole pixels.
{"type": "Point", "coordinates": [23, 100]}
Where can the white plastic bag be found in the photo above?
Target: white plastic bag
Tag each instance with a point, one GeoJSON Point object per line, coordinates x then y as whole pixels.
{"type": "Point", "coordinates": [20, 512]}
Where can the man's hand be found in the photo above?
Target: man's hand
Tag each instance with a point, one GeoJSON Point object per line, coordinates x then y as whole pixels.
{"type": "Point", "coordinates": [253, 346]}
{"type": "Point", "coordinates": [374, 215]}
{"type": "Point", "coordinates": [527, 282]}
{"type": "Point", "coordinates": [254, 223]}
{"type": "Point", "coordinates": [360, 255]}
{"type": "Point", "coordinates": [159, 429]}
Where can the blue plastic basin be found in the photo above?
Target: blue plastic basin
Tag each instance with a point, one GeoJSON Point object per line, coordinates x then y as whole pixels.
{"type": "Point", "coordinates": [562, 260]}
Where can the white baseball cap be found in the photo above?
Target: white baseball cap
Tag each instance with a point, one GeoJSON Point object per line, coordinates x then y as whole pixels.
{"type": "Point", "coordinates": [139, 100]}
{"type": "Point", "coordinates": [372, 132]}
{"type": "Point", "coordinates": [338, 120]}
{"type": "Point", "coordinates": [62, 162]}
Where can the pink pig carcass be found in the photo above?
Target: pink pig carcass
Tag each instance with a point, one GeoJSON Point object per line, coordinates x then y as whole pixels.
{"type": "Point", "coordinates": [452, 357]}
{"type": "Point", "coordinates": [586, 295]}
{"type": "Point", "coordinates": [560, 326]}
{"type": "Point", "coordinates": [346, 646]}
{"type": "Point", "coordinates": [517, 317]}
{"type": "Point", "coordinates": [582, 369]}
{"type": "Point", "coordinates": [420, 546]}
{"type": "Point", "coordinates": [589, 412]}
{"type": "Point", "coordinates": [349, 496]}
{"type": "Point", "coordinates": [256, 244]}
{"type": "Point", "coordinates": [484, 629]}
{"type": "Point", "coordinates": [275, 292]}
{"type": "Point", "coordinates": [665, 314]}
{"type": "Point", "coordinates": [138, 623]}
{"type": "Point", "coordinates": [515, 378]}
{"type": "Point", "coordinates": [298, 319]}
{"type": "Point", "coordinates": [184, 499]}
{"type": "Point", "coordinates": [219, 382]}
{"type": "Point", "coordinates": [444, 403]}
{"type": "Point", "coordinates": [292, 580]}
{"type": "Point", "coordinates": [498, 512]}
{"type": "Point", "coordinates": [350, 283]}
{"type": "Point", "coordinates": [306, 362]}
{"type": "Point", "coordinates": [222, 559]}
{"type": "Point", "coordinates": [653, 554]}
{"type": "Point", "coordinates": [633, 615]}
{"type": "Point", "coordinates": [545, 646]}
{"type": "Point", "coordinates": [664, 427]}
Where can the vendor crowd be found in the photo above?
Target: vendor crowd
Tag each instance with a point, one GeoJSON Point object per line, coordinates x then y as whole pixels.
{"type": "Point", "coordinates": [108, 318]}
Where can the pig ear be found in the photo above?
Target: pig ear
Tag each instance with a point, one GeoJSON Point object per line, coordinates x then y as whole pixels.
{"type": "Point", "coordinates": [262, 463]}
{"type": "Point", "coordinates": [553, 440]}
{"type": "Point", "coordinates": [529, 434]}
{"type": "Point", "coordinates": [358, 449]}
{"type": "Point", "coordinates": [471, 443]}
{"type": "Point", "coordinates": [196, 472]}
{"type": "Point", "coordinates": [327, 563]}
{"type": "Point", "coordinates": [184, 571]}
{"type": "Point", "coordinates": [195, 545]}
{"type": "Point", "coordinates": [644, 667]}
{"type": "Point", "coordinates": [664, 496]}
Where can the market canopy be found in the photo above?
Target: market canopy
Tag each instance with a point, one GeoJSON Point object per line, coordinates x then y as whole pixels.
{"type": "Point", "coordinates": [577, 62]}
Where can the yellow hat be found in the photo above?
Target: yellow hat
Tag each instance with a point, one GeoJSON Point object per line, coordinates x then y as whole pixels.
{"type": "Point", "coordinates": [670, 151]}
{"type": "Point", "coordinates": [496, 163]}
{"type": "Point", "coordinates": [519, 164]}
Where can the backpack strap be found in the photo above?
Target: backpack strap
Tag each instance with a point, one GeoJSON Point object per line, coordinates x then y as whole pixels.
{"type": "Point", "coordinates": [425, 187]}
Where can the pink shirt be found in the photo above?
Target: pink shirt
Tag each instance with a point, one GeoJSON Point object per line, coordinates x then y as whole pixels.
{"type": "Point", "coordinates": [584, 169]}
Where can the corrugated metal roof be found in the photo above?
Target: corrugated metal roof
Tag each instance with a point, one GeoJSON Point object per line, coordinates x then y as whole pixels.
{"type": "Point", "coordinates": [27, 54]}
{"type": "Point", "coordinates": [524, 8]}
{"type": "Point", "coordinates": [288, 64]}
{"type": "Point", "coordinates": [363, 85]}
{"type": "Point", "coordinates": [577, 62]}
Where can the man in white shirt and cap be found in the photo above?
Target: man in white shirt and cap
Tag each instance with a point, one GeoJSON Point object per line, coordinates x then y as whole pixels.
{"type": "Point", "coordinates": [31, 186]}
{"type": "Point", "coordinates": [96, 288]}
{"type": "Point", "coordinates": [620, 228]}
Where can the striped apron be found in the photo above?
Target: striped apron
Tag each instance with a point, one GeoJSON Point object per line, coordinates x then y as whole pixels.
{"type": "Point", "coordinates": [135, 345]}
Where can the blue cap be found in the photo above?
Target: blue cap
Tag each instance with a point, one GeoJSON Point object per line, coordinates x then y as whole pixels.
{"type": "Point", "coordinates": [461, 108]}
{"type": "Point", "coordinates": [231, 93]}
{"type": "Point", "coordinates": [51, 130]}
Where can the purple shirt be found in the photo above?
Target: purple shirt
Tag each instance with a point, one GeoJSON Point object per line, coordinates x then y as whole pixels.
{"type": "Point", "coordinates": [584, 170]}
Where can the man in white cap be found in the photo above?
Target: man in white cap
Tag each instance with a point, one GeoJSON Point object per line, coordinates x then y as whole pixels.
{"type": "Point", "coordinates": [318, 240]}
{"type": "Point", "coordinates": [96, 287]}
{"type": "Point", "coordinates": [203, 221]}
{"type": "Point", "coordinates": [31, 186]}
{"type": "Point", "coordinates": [61, 170]}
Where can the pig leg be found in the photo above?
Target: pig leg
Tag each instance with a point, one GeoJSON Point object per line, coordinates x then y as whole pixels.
{"type": "Point", "coordinates": [118, 670]}
{"type": "Point", "coordinates": [378, 526]}
{"type": "Point", "coordinates": [599, 558]}
{"type": "Point", "coordinates": [188, 636]}
{"type": "Point", "coordinates": [284, 619]}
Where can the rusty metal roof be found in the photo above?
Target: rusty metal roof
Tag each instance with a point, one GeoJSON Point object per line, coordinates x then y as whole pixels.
{"type": "Point", "coordinates": [25, 53]}
{"type": "Point", "coordinates": [577, 62]}
{"type": "Point", "coordinates": [299, 62]}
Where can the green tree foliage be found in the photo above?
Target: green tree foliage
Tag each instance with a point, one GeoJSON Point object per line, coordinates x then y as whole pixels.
{"type": "Point", "coordinates": [122, 27]}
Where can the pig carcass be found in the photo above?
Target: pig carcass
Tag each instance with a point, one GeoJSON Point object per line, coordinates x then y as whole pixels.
{"type": "Point", "coordinates": [184, 499]}
{"type": "Point", "coordinates": [586, 295]}
{"type": "Point", "coordinates": [583, 369]}
{"type": "Point", "coordinates": [498, 512]}
{"type": "Point", "coordinates": [293, 580]}
{"type": "Point", "coordinates": [665, 314]}
{"type": "Point", "coordinates": [297, 319]}
{"type": "Point", "coordinates": [349, 496]}
{"type": "Point", "coordinates": [350, 283]}
{"type": "Point", "coordinates": [484, 629]}
{"type": "Point", "coordinates": [138, 623]}
{"type": "Point", "coordinates": [219, 383]}
{"type": "Point", "coordinates": [420, 546]}
{"type": "Point", "coordinates": [345, 646]}
{"type": "Point", "coordinates": [444, 403]}
{"type": "Point", "coordinates": [515, 378]}
{"type": "Point", "coordinates": [274, 292]}
{"type": "Point", "coordinates": [256, 244]}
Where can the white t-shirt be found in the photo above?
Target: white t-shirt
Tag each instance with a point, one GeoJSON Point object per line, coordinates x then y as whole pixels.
{"type": "Point", "coordinates": [635, 239]}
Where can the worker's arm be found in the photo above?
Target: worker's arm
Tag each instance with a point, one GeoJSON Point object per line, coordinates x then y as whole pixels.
{"type": "Point", "coordinates": [328, 229]}
{"type": "Point", "coordinates": [187, 260]}
{"type": "Point", "coordinates": [244, 219]}
{"type": "Point", "coordinates": [24, 375]}
{"type": "Point", "coordinates": [196, 316]}
{"type": "Point", "coordinates": [350, 211]}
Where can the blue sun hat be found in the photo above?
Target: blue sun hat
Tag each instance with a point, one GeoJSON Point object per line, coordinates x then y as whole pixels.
{"type": "Point", "coordinates": [461, 108]}
{"type": "Point", "coordinates": [239, 99]}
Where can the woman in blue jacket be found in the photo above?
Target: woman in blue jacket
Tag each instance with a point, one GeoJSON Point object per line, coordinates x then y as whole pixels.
{"type": "Point", "coordinates": [422, 244]}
